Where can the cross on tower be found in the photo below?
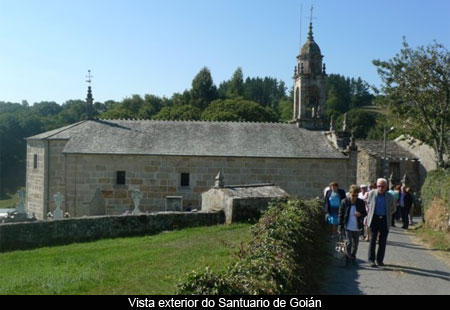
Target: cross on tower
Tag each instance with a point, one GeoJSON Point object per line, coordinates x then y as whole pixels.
{"type": "Point", "coordinates": [89, 76]}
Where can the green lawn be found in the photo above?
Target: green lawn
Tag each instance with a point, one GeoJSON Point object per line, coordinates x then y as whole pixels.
{"type": "Point", "coordinates": [140, 265]}
{"type": "Point", "coordinates": [9, 201]}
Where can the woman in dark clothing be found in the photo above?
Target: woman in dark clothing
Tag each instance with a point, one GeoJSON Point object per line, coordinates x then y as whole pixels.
{"type": "Point", "coordinates": [351, 215]}
{"type": "Point", "coordinates": [406, 202]}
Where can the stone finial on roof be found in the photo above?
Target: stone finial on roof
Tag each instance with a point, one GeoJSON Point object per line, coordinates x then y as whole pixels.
{"type": "Point", "coordinates": [89, 98]}
{"type": "Point", "coordinates": [391, 179]}
{"type": "Point", "coordinates": [344, 123]}
{"type": "Point", "coordinates": [405, 180]}
{"type": "Point", "coordinates": [219, 180]}
{"type": "Point", "coordinates": [352, 146]}
{"type": "Point", "coordinates": [310, 33]}
{"type": "Point", "coordinates": [332, 123]}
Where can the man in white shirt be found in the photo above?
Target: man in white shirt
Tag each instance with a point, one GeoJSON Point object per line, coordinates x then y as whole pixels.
{"type": "Point", "coordinates": [351, 214]}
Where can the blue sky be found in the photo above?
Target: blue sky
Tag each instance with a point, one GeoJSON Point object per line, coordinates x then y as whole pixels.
{"type": "Point", "coordinates": [157, 47]}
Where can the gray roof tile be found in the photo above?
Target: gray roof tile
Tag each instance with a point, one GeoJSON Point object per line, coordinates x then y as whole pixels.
{"type": "Point", "coordinates": [193, 138]}
{"type": "Point", "coordinates": [393, 150]}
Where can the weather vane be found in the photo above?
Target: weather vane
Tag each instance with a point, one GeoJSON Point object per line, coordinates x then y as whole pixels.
{"type": "Point", "coordinates": [89, 76]}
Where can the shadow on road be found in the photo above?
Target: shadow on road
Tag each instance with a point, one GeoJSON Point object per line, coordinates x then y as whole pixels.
{"type": "Point", "coordinates": [339, 278]}
{"type": "Point", "coordinates": [418, 271]}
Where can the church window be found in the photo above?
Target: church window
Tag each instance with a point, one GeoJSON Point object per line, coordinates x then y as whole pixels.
{"type": "Point", "coordinates": [184, 179]}
{"type": "Point", "coordinates": [35, 161]}
{"type": "Point", "coordinates": [120, 178]}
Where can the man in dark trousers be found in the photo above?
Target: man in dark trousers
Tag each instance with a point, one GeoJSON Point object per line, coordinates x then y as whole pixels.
{"type": "Point", "coordinates": [351, 214]}
{"type": "Point", "coordinates": [379, 219]}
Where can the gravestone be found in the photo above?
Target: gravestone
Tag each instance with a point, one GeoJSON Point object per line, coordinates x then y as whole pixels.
{"type": "Point", "coordinates": [58, 214]}
{"type": "Point", "coordinates": [97, 205]}
{"type": "Point", "coordinates": [174, 203]}
{"type": "Point", "coordinates": [136, 195]}
{"type": "Point", "coordinates": [21, 204]}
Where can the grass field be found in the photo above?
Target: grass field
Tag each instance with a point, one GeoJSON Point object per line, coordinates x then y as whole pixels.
{"type": "Point", "coordinates": [140, 265]}
{"type": "Point", "coordinates": [10, 201]}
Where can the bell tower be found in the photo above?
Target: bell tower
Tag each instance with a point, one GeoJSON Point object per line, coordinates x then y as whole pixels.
{"type": "Point", "coordinates": [310, 85]}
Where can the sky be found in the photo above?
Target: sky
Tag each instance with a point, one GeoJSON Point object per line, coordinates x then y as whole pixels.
{"type": "Point", "coordinates": [157, 47]}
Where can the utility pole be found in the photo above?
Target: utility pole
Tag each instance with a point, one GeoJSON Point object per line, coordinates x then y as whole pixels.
{"type": "Point", "coordinates": [385, 168]}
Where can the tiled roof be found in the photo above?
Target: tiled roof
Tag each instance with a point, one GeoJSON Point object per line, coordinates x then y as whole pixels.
{"type": "Point", "coordinates": [193, 138]}
{"type": "Point", "coordinates": [255, 191]}
{"type": "Point", "coordinates": [393, 150]}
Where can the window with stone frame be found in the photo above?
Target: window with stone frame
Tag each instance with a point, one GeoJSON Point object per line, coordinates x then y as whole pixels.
{"type": "Point", "coordinates": [121, 178]}
{"type": "Point", "coordinates": [184, 179]}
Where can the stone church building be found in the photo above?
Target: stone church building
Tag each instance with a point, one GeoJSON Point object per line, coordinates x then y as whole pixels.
{"type": "Point", "coordinates": [96, 163]}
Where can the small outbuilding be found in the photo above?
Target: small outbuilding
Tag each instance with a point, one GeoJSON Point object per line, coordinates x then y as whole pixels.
{"type": "Point", "coordinates": [240, 202]}
{"type": "Point", "coordinates": [399, 163]}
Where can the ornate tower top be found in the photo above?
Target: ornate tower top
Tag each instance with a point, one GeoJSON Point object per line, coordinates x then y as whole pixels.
{"type": "Point", "coordinates": [89, 98]}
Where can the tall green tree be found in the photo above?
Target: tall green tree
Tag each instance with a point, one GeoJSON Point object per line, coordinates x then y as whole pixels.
{"type": "Point", "coordinates": [203, 90]}
{"type": "Point", "coordinates": [236, 85]}
{"type": "Point", "coordinates": [416, 85]}
{"type": "Point", "coordinates": [346, 93]}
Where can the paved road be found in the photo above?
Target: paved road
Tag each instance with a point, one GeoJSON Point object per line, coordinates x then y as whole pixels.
{"type": "Point", "coordinates": [410, 269]}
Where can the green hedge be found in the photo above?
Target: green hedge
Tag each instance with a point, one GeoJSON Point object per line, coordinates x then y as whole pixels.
{"type": "Point", "coordinates": [282, 258]}
{"type": "Point", "coordinates": [437, 184]}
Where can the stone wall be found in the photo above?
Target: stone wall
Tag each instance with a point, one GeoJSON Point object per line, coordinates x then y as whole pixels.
{"type": "Point", "coordinates": [36, 178]}
{"type": "Point", "coordinates": [57, 172]}
{"type": "Point", "coordinates": [367, 168]}
{"type": "Point", "coordinates": [16, 236]}
{"type": "Point", "coordinates": [88, 182]}
{"type": "Point", "coordinates": [159, 176]}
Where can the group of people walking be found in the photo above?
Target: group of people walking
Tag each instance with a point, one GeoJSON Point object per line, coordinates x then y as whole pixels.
{"type": "Point", "coordinates": [369, 211]}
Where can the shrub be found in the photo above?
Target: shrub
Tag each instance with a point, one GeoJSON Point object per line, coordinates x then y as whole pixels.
{"type": "Point", "coordinates": [282, 257]}
{"type": "Point", "coordinates": [436, 199]}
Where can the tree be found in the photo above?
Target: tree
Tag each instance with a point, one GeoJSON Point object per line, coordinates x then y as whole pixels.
{"type": "Point", "coordinates": [238, 110]}
{"type": "Point", "coordinates": [72, 111]}
{"type": "Point", "coordinates": [236, 85]}
{"type": "Point", "coordinates": [360, 94]}
{"type": "Point", "coordinates": [417, 89]}
{"type": "Point", "coordinates": [360, 122]}
{"type": "Point", "coordinates": [203, 90]}
{"type": "Point", "coordinates": [178, 112]}
{"type": "Point", "coordinates": [46, 108]}
{"type": "Point", "coordinates": [286, 110]}
{"type": "Point", "coordinates": [346, 93]}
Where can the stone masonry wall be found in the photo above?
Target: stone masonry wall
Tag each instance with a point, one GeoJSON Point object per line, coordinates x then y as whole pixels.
{"type": "Point", "coordinates": [369, 168]}
{"type": "Point", "coordinates": [57, 171]}
{"type": "Point", "coordinates": [159, 176]}
{"type": "Point", "coordinates": [19, 236]}
{"type": "Point", "coordinates": [35, 178]}
{"type": "Point", "coordinates": [366, 168]}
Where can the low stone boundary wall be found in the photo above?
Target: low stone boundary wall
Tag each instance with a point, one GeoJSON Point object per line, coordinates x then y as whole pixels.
{"type": "Point", "coordinates": [19, 236]}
